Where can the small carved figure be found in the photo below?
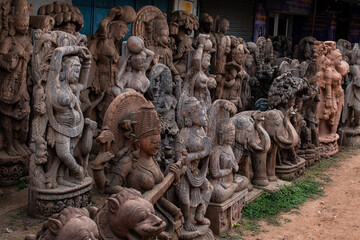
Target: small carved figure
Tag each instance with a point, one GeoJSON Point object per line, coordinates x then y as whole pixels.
{"type": "Point", "coordinates": [182, 24]}
{"type": "Point", "coordinates": [194, 190]}
{"type": "Point", "coordinates": [223, 49]}
{"type": "Point", "coordinates": [151, 24]}
{"type": "Point", "coordinates": [331, 69]}
{"type": "Point", "coordinates": [206, 27]}
{"type": "Point", "coordinates": [264, 58]}
{"type": "Point", "coordinates": [67, 17]}
{"type": "Point", "coordinates": [223, 165]}
{"type": "Point", "coordinates": [136, 60]}
{"type": "Point", "coordinates": [126, 215]}
{"type": "Point", "coordinates": [105, 47]}
{"type": "Point", "coordinates": [70, 223]}
{"type": "Point", "coordinates": [252, 143]}
{"type": "Point", "coordinates": [15, 53]}
{"type": "Point", "coordinates": [305, 49]}
{"type": "Point", "coordinates": [161, 89]}
{"type": "Point", "coordinates": [345, 48]}
{"type": "Point", "coordinates": [236, 86]}
{"type": "Point", "coordinates": [197, 83]}
{"type": "Point", "coordinates": [351, 113]}
{"type": "Point", "coordinates": [282, 47]}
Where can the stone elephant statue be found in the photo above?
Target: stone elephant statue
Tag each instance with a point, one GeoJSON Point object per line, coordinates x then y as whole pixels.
{"type": "Point", "coordinates": [251, 142]}
{"type": "Point", "coordinates": [283, 136]}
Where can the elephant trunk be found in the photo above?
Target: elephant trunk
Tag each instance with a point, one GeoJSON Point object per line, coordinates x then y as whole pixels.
{"type": "Point", "coordinates": [264, 137]}
{"type": "Point", "coordinates": [292, 140]}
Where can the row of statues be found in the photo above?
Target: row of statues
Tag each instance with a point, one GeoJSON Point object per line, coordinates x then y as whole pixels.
{"type": "Point", "coordinates": [179, 128]}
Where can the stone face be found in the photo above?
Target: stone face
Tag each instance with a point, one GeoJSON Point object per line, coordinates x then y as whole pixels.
{"type": "Point", "coordinates": [61, 138]}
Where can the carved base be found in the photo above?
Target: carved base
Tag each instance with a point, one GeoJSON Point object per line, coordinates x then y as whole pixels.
{"type": "Point", "coordinates": [12, 168]}
{"type": "Point", "coordinates": [310, 155]}
{"type": "Point", "coordinates": [349, 137]}
{"type": "Point", "coordinates": [45, 202]}
{"type": "Point", "coordinates": [203, 232]}
{"type": "Point", "coordinates": [291, 171]}
{"type": "Point", "coordinates": [328, 145]}
{"type": "Point", "coordinates": [224, 215]}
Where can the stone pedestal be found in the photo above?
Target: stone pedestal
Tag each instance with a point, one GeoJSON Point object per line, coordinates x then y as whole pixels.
{"type": "Point", "coordinates": [328, 145]}
{"type": "Point", "coordinates": [12, 168]}
{"type": "Point", "coordinates": [291, 171]}
{"type": "Point", "coordinates": [310, 155]}
{"type": "Point", "coordinates": [45, 202]}
{"type": "Point", "coordinates": [224, 215]}
{"type": "Point", "coordinates": [349, 137]}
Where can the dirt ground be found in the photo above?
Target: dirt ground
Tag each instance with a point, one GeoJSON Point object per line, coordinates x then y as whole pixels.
{"type": "Point", "coordinates": [336, 215]}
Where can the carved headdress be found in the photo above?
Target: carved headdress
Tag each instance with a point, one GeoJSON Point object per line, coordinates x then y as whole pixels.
{"type": "Point", "coordinates": [147, 121]}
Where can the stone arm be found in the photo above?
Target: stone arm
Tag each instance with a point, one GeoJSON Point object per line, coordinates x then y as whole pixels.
{"type": "Point", "coordinates": [149, 57]}
{"type": "Point", "coordinates": [196, 62]}
{"type": "Point", "coordinates": [180, 51]}
{"type": "Point", "coordinates": [328, 90]}
{"type": "Point", "coordinates": [214, 168]}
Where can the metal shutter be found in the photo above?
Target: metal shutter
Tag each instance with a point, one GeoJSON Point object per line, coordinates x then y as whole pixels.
{"type": "Point", "coordinates": [240, 14]}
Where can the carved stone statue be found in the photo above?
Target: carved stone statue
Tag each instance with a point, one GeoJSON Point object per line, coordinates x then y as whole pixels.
{"type": "Point", "coordinates": [252, 143]}
{"type": "Point", "coordinates": [126, 215]}
{"type": "Point", "coordinates": [350, 130]}
{"type": "Point", "coordinates": [57, 127]}
{"type": "Point", "coordinates": [135, 60]}
{"type": "Point", "coordinates": [250, 68]}
{"type": "Point", "coordinates": [161, 89]}
{"type": "Point", "coordinates": [135, 126]}
{"type": "Point", "coordinates": [70, 223]}
{"type": "Point", "coordinates": [286, 93]}
{"type": "Point", "coordinates": [282, 47]}
{"type": "Point", "coordinates": [236, 86]}
{"type": "Point", "coordinates": [194, 190]}
{"type": "Point", "coordinates": [223, 165]}
{"type": "Point", "coordinates": [207, 27]}
{"type": "Point", "coordinates": [105, 47]}
{"type": "Point", "coordinates": [197, 83]}
{"type": "Point", "coordinates": [345, 48]}
{"type": "Point", "coordinates": [67, 17]}
{"type": "Point", "coordinates": [151, 24]}
{"type": "Point", "coordinates": [182, 24]}
{"type": "Point", "coordinates": [264, 59]}
{"type": "Point", "coordinates": [331, 69]}
{"type": "Point", "coordinates": [223, 49]}
{"type": "Point", "coordinates": [305, 49]}
{"type": "Point", "coordinates": [15, 53]}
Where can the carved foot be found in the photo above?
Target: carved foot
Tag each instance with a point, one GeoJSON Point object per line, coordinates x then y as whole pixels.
{"type": "Point", "coordinates": [188, 226]}
{"type": "Point", "coordinates": [80, 175]}
{"type": "Point", "coordinates": [22, 149]}
{"type": "Point", "coordinates": [11, 151]}
{"type": "Point", "coordinates": [204, 221]}
{"type": "Point", "coordinates": [63, 182]}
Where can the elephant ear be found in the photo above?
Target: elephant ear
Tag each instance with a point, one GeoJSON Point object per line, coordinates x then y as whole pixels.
{"type": "Point", "coordinates": [219, 111]}
{"type": "Point", "coordinates": [244, 124]}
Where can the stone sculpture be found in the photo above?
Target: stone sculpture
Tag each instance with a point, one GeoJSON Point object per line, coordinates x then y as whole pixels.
{"type": "Point", "coordinates": [70, 223]}
{"type": "Point", "coordinates": [181, 25]}
{"type": "Point", "coordinates": [197, 83]}
{"type": "Point", "coordinates": [136, 60]}
{"type": "Point", "coordinates": [206, 27]}
{"type": "Point", "coordinates": [194, 190]}
{"type": "Point", "coordinates": [105, 49]}
{"type": "Point", "coordinates": [229, 188]}
{"type": "Point", "coordinates": [57, 126]}
{"type": "Point", "coordinates": [67, 17]}
{"type": "Point", "coordinates": [15, 53]}
{"type": "Point", "coordinates": [350, 130]}
{"type": "Point", "coordinates": [264, 59]}
{"type": "Point", "coordinates": [135, 126]}
{"type": "Point", "coordinates": [151, 24]}
{"type": "Point", "coordinates": [330, 71]}
{"type": "Point", "coordinates": [285, 93]}
{"type": "Point", "coordinates": [161, 89]}
{"type": "Point", "coordinates": [345, 48]}
{"type": "Point", "coordinates": [305, 49]}
{"type": "Point", "coordinates": [236, 85]}
{"type": "Point", "coordinates": [252, 143]}
{"type": "Point", "coordinates": [126, 215]}
{"type": "Point", "coordinates": [250, 68]}
{"type": "Point", "coordinates": [223, 49]}
{"type": "Point", "coordinates": [282, 47]}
